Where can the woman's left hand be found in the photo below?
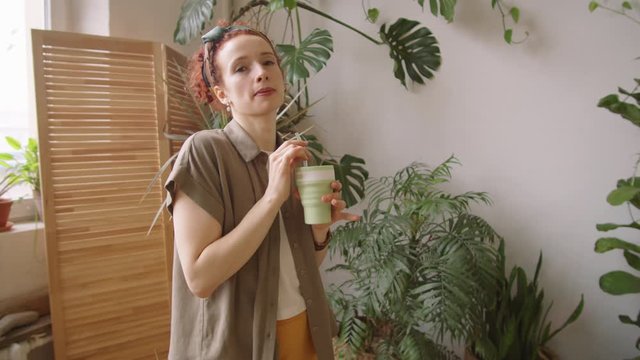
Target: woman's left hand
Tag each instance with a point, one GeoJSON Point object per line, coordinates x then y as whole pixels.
{"type": "Point", "coordinates": [337, 207]}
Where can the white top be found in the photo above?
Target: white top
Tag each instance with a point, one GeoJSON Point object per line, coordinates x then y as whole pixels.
{"type": "Point", "coordinates": [290, 300]}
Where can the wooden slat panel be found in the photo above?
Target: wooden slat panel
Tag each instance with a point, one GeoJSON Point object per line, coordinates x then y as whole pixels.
{"type": "Point", "coordinates": [101, 110]}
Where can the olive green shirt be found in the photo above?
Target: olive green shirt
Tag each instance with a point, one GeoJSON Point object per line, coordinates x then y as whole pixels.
{"type": "Point", "coordinates": [225, 173]}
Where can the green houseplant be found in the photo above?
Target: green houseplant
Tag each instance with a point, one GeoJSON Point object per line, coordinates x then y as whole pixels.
{"type": "Point", "coordinates": [22, 169]}
{"type": "Point", "coordinates": [421, 268]}
{"type": "Point", "coordinates": [627, 192]}
{"type": "Point", "coordinates": [515, 326]}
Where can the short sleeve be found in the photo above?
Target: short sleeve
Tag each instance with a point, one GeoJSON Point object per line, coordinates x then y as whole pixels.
{"type": "Point", "coordinates": [195, 173]}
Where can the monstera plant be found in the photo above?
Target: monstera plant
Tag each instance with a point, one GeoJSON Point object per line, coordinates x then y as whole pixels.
{"type": "Point", "coordinates": [413, 49]}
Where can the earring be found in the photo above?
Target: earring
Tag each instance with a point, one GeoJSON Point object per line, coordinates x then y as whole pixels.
{"type": "Point", "coordinates": [227, 105]}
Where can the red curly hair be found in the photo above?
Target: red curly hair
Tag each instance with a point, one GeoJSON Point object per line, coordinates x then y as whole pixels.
{"type": "Point", "coordinates": [197, 84]}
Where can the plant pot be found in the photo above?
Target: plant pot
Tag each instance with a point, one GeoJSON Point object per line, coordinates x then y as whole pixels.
{"type": "Point", "coordinates": [5, 209]}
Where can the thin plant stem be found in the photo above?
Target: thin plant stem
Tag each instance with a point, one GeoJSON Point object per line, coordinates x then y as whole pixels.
{"type": "Point", "coordinates": [623, 13]}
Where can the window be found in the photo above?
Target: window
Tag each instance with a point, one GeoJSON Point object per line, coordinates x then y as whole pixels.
{"type": "Point", "coordinates": [17, 102]}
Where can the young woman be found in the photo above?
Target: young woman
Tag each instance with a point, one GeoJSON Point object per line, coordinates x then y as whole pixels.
{"type": "Point", "coordinates": [246, 283]}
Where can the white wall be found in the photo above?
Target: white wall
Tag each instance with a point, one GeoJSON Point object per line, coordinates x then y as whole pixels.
{"type": "Point", "coordinates": [523, 120]}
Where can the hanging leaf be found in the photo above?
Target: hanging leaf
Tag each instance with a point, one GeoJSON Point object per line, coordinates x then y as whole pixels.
{"type": "Point", "coordinates": [515, 14]}
{"type": "Point", "coordinates": [415, 53]}
{"type": "Point", "coordinates": [446, 7]}
{"type": "Point", "coordinates": [372, 15]}
{"type": "Point", "coordinates": [508, 34]}
{"type": "Point", "coordinates": [593, 6]}
{"type": "Point", "coordinates": [619, 283]}
{"type": "Point", "coordinates": [606, 244]}
{"type": "Point", "coordinates": [636, 95]}
{"type": "Point", "coordinates": [315, 50]}
{"type": "Point", "coordinates": [193, 16]}
{"type": "Point", "coordinates": [626, 5]}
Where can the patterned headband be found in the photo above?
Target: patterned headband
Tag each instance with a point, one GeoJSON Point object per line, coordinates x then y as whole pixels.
{"type": "Point", "coordinates": [213, 36]}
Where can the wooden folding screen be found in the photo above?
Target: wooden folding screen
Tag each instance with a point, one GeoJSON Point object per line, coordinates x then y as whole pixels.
{"type": "Point", "coordinates": [102, 105]}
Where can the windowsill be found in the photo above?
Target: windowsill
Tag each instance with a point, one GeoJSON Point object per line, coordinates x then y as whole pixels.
{"type": "Point", "coordinates": [22, 227]}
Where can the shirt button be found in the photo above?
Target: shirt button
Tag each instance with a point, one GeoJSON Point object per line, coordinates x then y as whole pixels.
{"type": "Point", "coordinates": [302, 273]}
{"type": "Point", "coordinates": [309, 302]}
{"type": "Point", "coordinates": [295, 244]}
{"type": "Point", "coordinates": [315, 329]}
{"type": "Point", "coordinates": [268, 335]}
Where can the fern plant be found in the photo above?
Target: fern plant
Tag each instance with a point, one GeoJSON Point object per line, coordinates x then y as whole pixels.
{"type": "Point", "coordinates": [421, 268]}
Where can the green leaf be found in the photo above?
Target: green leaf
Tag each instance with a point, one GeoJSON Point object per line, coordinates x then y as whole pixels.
{"type": "Point", "coordinates": [13, 142]}
{"type": "Point", "coordinates": [275, 5]}
{"type": "Point", "coordinates": [622, 194]}
{"type": "Point", "coordinates": [193, 16]}
{"type": "Point", "coordinates": [446, 8]}
{"type": "Point", "coordinates": [619, 283]}
{"type": "Point", "coordinates": [628, 111]}
{"type": "Point", "coordinates": [515, 14]}
{"type": "Point", "coordinates": [635, 96]}
{"type": "Point", "coordinates": [372, 15]}
{"type": "Point", "coordinates": [593, 6]}
{"type": "Point", "coordinates": [414, 52]}
{"type": "Point", "coordinates": [315, 50]}
{"type": "Point", "coordinates": [610, 226]}
{"type": "Point", "coordinates": [5, 156]}
{"type": "Point", "coordinates": [507, 35]}
{"type": "Point", "coordinates": [626, 5]}
{"type": "Point", "coordinates": [573, 317]}
{"type": "Point", "coordinates": [610, 243]}
{"type": "Point", "coordinates": [493, 3]}
{"type": "Point", "coordinates": [632, 260]}
{"type": "Point", "coordinates": [352, 175]}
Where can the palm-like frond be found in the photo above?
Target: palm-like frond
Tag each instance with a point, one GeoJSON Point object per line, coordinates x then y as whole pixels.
{"type": "Point", "coordinates": [418, 259]}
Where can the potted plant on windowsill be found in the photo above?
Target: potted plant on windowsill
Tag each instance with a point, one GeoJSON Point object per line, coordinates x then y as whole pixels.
{"type": "Point", "coordinates": [21, 169]}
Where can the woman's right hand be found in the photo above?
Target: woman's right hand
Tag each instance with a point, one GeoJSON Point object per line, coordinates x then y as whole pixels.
{"type": "Point", "coordinates": [282, 162]}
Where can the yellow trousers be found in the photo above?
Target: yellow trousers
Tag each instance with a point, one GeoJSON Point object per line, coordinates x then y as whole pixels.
{"type": "Point", "coordinates": [294, 339]}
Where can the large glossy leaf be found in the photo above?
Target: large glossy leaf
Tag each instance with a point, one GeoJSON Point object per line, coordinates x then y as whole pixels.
{"type": "Point", "coordinates": [622, 194]}
{"type": "Point", "coordinates": [632, 259]}
{"type": "Point", "coordinates": [314, 51]}
{"type": "Point", "coordinates": [610, 243]}
{"type": "Point", "coordinates": [352, 175]}
{"type": "Point", "coordinates": [628, 111]}
{"type": "Point", "coordinates": [193, 16]}
{"type": "Point", "coordinates": [620, 283]}
{"type": "Point", "coordinates": [414, 52]}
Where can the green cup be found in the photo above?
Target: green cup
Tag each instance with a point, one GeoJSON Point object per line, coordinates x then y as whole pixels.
{"type": "Point", "coordinates": [312, 183]}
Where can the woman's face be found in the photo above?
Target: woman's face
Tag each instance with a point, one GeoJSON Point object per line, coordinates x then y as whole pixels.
{"type": "Point", "coordinates": [251, 77]}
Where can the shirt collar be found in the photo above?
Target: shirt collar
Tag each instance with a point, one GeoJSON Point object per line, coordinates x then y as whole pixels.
{"type": "Point", "coordinates": [242, 141]}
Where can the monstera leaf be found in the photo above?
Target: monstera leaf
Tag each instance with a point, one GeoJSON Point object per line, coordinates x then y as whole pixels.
{"type": "Point", "coordinates": [414, 52]}
{"type": "Point", "coordinates": [315, 50]}
{"type": "Point", "coordinates": [352, 175]}
{"type": "Point", "coordinates": [193, 15]}
{"type": "Point", "coordinates": [447, 8]}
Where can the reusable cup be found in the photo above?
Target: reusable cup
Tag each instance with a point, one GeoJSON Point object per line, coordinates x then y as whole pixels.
{"type": "Point", "coordinates": [312, 183]}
